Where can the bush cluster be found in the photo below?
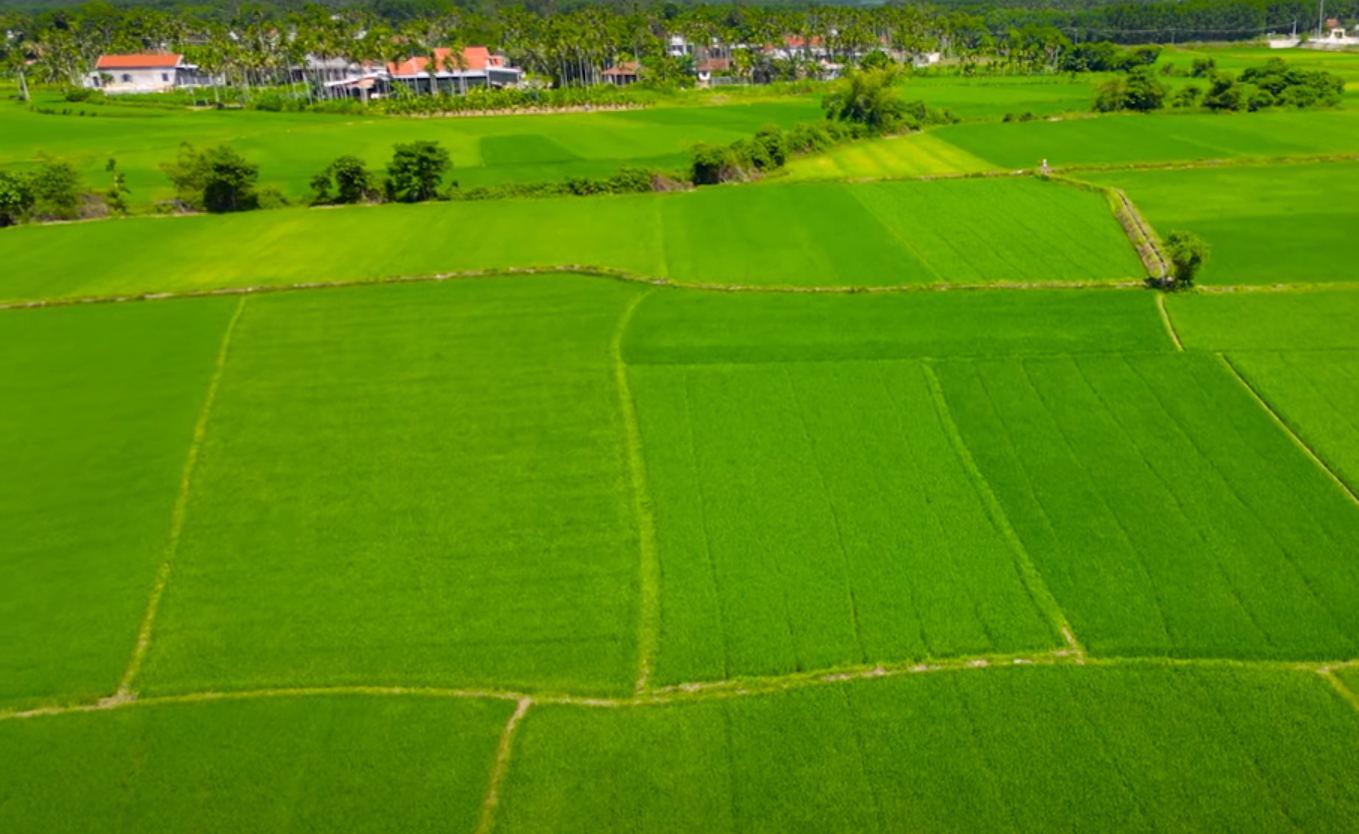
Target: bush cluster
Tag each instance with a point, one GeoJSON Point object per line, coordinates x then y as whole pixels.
{"type": "Point", "coordinates": [1104, 56]}
{"type": "Point", "coordinates": [1273, 84]}
{"type": "Point", "coordinates": [52, 191]}
{"type": "Point", "coordinates": [626, 180]}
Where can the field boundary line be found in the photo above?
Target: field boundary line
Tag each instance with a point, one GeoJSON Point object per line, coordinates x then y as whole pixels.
{"type": "Point", "coordinates": [181, 504]}
{"type": "Point", "coordinates": [1325, 467]}
{"type": "Point", "coordinates": [569, 269]}
{"type": "Point", "coordinates": [1220, 162]}
{"type": "Point", "coordinates": [1328, 673]}
{"type": "Point", "coordinates": [502, 761]}
{"type": "Point", "coordinates": [717, 690]}
{"type": "Point", "coordinates": [1165, 319]}
{"type": "Point", "coordinates": [649, 571]}
{"type": "Point", "coordinates": [1028, 571]}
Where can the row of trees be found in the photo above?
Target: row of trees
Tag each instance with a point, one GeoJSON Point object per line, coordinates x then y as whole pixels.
{"type": "Point", "coordinates": [256, 45]}
{"type": "Point", "coordinates": [1275, 83]}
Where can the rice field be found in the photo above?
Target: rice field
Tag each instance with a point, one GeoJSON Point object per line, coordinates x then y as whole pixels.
{"type": "Point", "coordinates": [821, 515]}
{"type": "Point", "coordinates": [340, 762]}
{"type": "Point", "coordinates": [292, 147]}
{"type": "Point", "coordinates": [1165, 137]}
{"type": "Point", "coordinates": [98, 406]}
{"type": "Point", "coordinates": [912, 155]}
{"type": "Point", "coordinates": [418, 451]}
{"type": "Point", "coordinates": [1267, 224]}
{"type": "Point", "coordinates": [1171, 749]}
{"type": "Point", "coordinates": [804, 235]}
{"type": "Point", "coordinates": [826, 506]}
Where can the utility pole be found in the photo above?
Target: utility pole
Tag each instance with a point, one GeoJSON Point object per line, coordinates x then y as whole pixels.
{"type": "Point", "coordinates": [1321, 18]}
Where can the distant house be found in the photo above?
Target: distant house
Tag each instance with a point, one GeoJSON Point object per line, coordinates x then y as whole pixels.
{"type": "Point", "coordinates": [712, 68]}
{"type": "Point", "coordinates": [474, 67]}
{"type": "Point", "coordinates": [623, 74]}
{"type": "Point", "coordinates": [142, 74]}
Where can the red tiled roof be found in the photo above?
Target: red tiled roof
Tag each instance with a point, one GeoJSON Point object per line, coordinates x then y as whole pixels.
{"type": "Point", "coordinates": [473, 58]}
{"type": "Point", "coordinates": [715, 65]}
{"type": "Point", "coordinates": [625, 68]}
{"type": "Point", "coordinates": [136, 61]}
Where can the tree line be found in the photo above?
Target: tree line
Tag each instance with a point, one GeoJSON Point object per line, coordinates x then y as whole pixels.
{"type": "Point", "coordinates": [254, 45]}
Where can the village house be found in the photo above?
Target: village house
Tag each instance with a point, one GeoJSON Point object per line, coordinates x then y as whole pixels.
{"type": "Point", "coordinates": [143, 74]}
{"type": "Point", "coordinates": [475, 67]}
{"type": "Point", "coordinates": [623, 74]}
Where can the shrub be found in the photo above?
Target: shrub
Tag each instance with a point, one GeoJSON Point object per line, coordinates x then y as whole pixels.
{"type": "Point", "coordinates": [1225, 93]}
{"type": "Point", "coordinates": [1202, 68]}
{"type": "Point", "coordinates": [630, 180]}
{"type": "Point", "coordinates": [867, 98]}
{"type": "Point", "coordinates": [416, 171]}
{"type": "Point", "coordinates": [270, 197]}
{"type": "Point", "coordinates": [16, 198]}
{"type": "Point", "coordinates": [771, 138]}
{"type": "Point", "coordinates": [1187, 253]}
{"type": "Point", "coordinates": [55, 187]}
{"type": "Point", "coordinates": [351, 180]}
{"type": "Point", "coordinates": [1187, 96]}
{"type": "Point", "coordinates": [216, 179]}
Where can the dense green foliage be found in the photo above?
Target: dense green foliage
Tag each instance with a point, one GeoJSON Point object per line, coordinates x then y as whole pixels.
{"type": "Point", "coordinates": [49, 192]}
{"type": "Point", "coordinates": [216, 179]}
{"type": "Point", "coordinates": [99, 406]}
{"type": "Point", "coordinates": [339, 763]}
{"type": "Point", "coordinates": [351, 180]}
{"type": "Point", "coordinates": [1187, 253]}
{"type": "Point", "coordinates": [416, 171]}
{"type": "Point", "coordinates": [1139, 91]}
{"type": "Point", "coordinates": [1029, 749]}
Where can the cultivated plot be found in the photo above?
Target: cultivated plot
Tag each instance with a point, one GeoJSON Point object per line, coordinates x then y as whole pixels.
{"type": "Point", "coordinates": [1267, 225]}
{"type": "Point", "coordinates": [1021, 749]}
{"type": "Point", "coordinates": [682, 327]}
{"type": "Point", "coordinates": [1169, 137]}
{"type": "Point", "coordinates": [292, 147]}
{"type": "Point", "coordinates": [97, 410]}
{"type": "Point", "coordinates": [1316, 393]}
{"type": "Point", "coordinates": [1323, 319]}
{"type": "Point", "coordinates": [821, 515]}
{"type": "Point", "coordinates": [802, 235]}
{"type": "Point", "coordinates": [913, 155]}
{"type": "Point", "coordinates": [417, 484]}
{"type": "Point", "coordinates": [322, 763]}
{"type": "Point", "coordinates": [1167, 511]}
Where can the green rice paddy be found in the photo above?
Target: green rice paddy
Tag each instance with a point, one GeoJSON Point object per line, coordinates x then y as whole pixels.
{"type": "Point", "coordinates": [825, 507]}
{"type": "Point", "coordinates": [1171, 749]}
{"type": "Point", "coordinates": [292, 147]}
{"type": "Point", "coordinates": [1268, 224]}
{"type": "Point", "coordinates": [814, 234]}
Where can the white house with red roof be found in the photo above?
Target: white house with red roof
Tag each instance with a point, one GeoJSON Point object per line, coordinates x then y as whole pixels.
{"type": "Point", "coordinates": [475, 66]}
{"type": "Point", "coordinates": [142, 73]}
